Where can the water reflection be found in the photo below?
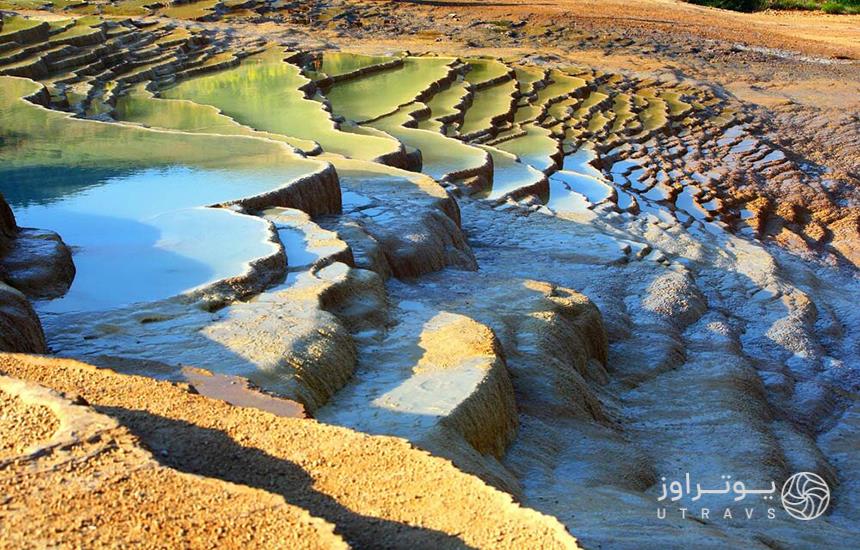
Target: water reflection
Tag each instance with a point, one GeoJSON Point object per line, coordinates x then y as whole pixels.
{"type": "Point", "coordinates": [130, 202]}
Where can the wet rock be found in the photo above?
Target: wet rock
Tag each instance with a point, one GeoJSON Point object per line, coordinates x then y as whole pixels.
{"type": "Point", "coordinates": [33, 264]}
{"type": "Point", "coordinates": [20, 329]}
{"type": "Point", "coordinates": [39, 264]}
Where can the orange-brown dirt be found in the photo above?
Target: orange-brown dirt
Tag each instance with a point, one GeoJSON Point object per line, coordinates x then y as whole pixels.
{"type": "Point", "coordinates": [78, 479]}
{"type": "Point", "coordinates": [376, 491]}
{"type": "Point", "coordinates": [809, 32]}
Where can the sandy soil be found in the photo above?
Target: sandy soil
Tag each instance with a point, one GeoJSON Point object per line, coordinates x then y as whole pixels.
{"type": "Point", "coordinates": [809, 32]}
{"type": "Point", "coordinates": [377, 491]}
{"type": "Point", "coordinates": [23, 425]}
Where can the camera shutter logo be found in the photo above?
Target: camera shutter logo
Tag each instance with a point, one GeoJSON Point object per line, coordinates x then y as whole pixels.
{"type": "Point", "coordinates": [805, 496]}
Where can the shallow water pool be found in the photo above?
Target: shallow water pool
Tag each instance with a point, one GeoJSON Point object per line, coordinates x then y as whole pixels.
{"type": "Point", "coordinates": [130, 202]}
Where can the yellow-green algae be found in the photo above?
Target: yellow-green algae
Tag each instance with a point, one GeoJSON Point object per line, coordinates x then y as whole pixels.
{"type": "Point", "coordinates": [562, 85]}
{"type": "Point", "coordinates": [342, 63]}
{"type": "Point", "coordinates": [383, 92]}
{"type": "Point", "coordinates": [562, 110]}
{"type": "Point", "coordinates": [130, 200]}
{"type": "Point", "coordinates": [488, 105]}
{"type": "Point", "coordinates": [139, 105]}
{"type": "Point", "coordinates": [265, 93]}
{"type": "Point", "coordinates": [623, 112]}
{"type": "Point", "coordinates": [677, 106]}
{"type": "Point", "coordinates": [485, 70]}
{"type": "Point", "coordinates": [654, 116]}
{"type": "Point", "coordinates": [191, 10]}
{"type": "Point", "coordinates": [15, 23]}
{"type": "Point", "coordinates": [442, 156]}
{"type": "Point", "coordinates": [536, 148]}
{"type": "Point", "coordinates": [527, 77]}
{"type": "Point", "coordinates": [447, 102]}
{"type": "Point", "coordinates": [588, 104]}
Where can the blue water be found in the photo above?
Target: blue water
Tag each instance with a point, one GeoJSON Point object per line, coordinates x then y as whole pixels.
{"type": "Point", "coordinates": [141, 235]}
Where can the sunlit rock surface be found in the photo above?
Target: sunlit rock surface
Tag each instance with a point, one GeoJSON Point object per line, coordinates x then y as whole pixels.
{"type": "Point", "coordinates": [57, 444]}
{"type": "Point", "coordinates": [198, 467]}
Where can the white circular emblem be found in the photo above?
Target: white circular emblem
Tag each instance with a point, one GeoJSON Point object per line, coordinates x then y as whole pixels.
{"type": "Point", "coordinates": [805, 495]}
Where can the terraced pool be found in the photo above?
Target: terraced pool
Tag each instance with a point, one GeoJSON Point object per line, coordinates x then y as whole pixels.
{"type": "Point", "coordinates": [131, 202]}
{"type": "Point", "coordinates": [265, 93]}
{"type": "Point", "coordinates": [342, 63]}
{"type": "Point", "coordinates": [217, 133]}
{"type": "Point", "coordinates": [441, 156]}
{"type": "Point", "coordinates": [383, 92]}
{"type": "Point", "coordinates": [140, 106]}
{"type": "Point", "coordinates": [420, 229]}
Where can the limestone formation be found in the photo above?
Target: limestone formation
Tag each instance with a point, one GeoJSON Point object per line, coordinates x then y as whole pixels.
{"type": "Point", "coordinates": [375, 297]}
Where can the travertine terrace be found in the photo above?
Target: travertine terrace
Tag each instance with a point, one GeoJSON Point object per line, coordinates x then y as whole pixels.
{"type": "Point", "coordinates": [323, 291]}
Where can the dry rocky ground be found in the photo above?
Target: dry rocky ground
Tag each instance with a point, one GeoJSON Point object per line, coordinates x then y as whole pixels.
{"type": "Point", "coordinates": [132, 461]}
